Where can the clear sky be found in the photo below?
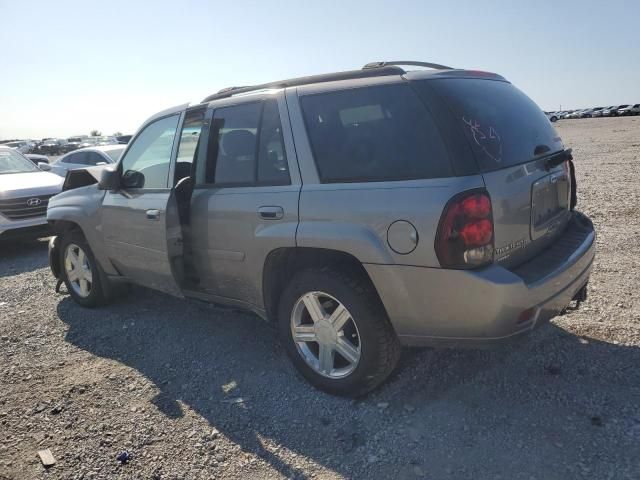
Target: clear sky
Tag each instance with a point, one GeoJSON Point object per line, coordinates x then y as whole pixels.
{"type": "Point", "coordinates": [67, 67]}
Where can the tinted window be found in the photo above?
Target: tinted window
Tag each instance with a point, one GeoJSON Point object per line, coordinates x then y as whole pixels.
{"type": "Point", "coordinates": [246, 146]}
{"type": "Point", "coordinates": [374, 134]}
{"type": "Point", "coordinates": [150, 152]}
{"type": "Point", "coordinates": [94, 158]}
{"type": "Point", "coordinates": [502, 124]}
{"type": "Point", "coordinates": [232, 149]}
{"type": "Point", "coordinates": [272, 159]}
{"type": "Point", "coordinates": [78, 158]}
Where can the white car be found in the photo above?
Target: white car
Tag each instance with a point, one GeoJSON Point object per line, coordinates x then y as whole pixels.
{"type": "Point", "coordinates": [84, 157]}
{"type": "Point", "coordinates": [629, 110]}
{"type": "Point", "coordinates": [552, 116]}
{"type": "Point", "coordinates": [21, 146]}
{"type": "Point", "coordinates": [24, 195]}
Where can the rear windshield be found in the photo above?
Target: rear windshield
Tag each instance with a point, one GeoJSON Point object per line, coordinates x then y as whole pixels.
{"type": "Point", "coordinates": [378, 133]}
{"type": "Point", "coordinates": [502, 124]}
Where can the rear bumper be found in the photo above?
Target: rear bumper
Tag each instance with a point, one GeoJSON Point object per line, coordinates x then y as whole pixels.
{"type": "Point", "coordinates": [439, 307]}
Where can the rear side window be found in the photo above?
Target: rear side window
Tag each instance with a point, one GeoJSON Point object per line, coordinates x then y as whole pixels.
{"type": "Point", "coordinates": [246, 147]}
{"type": "Point", "coordinates": [94, 158]}
{"type": "Point", "coordinates": [503, 126]}
{"type": "Point", "coordinates": [377, 133]}
{"type": "Point", "coordinates": [79, 158]}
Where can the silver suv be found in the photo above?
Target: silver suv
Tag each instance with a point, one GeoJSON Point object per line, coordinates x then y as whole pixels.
{"type": "Point", "coordinates": [359, 211]}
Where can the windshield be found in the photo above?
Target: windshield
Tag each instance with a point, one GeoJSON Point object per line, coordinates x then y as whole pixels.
{"type": "Point", "coordinates": [503, 126]}
{"type": "Point", "coordinates": [12, 162]}
{"type": "Point", "coordinates": [115, 153]}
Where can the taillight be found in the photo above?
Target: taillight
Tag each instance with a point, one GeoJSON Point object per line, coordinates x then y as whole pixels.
{"type": "Point", "coordinates": [465, 233]}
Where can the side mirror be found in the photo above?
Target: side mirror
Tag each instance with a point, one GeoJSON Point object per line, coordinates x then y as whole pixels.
{"type": "Point", "coordinates": [109, 179]}
{"type": "Point", "coordinates": [132, 179]}
{"type": "Point", "coordinates": [45, 167]}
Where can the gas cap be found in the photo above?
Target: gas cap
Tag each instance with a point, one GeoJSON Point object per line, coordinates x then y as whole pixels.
{"type": "Point", "coordinates": [402, 237]}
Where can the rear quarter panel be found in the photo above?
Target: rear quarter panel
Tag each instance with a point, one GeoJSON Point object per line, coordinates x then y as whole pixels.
{"type": "Point", "coordinates": [355, 217]}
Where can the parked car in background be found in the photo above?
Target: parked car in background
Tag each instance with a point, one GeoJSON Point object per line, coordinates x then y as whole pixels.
{"type": "Point", "coordinates": [36, 159]}
{"type": "Point", "coordinates": [612, 111]}
{"type": "Point", "coordinates": [53, 146]}
{"type": "Point", "coordinates": [83, 158]}
{"type": "Point", "coordinates": [21, 146]}
{"type": "Point", "coordinates": [629, 109]}
{"type": "Point", "coordinates": [25, 191]}
{"type": "Point", "coordinates": [595, 112]}
{"type": "Point", "coordinates": [360, 211]}
{"type": "Point", "coordinates": [552, 116]}
{"type": "Point", "coordinates": [106, 140]}
{"type": "Point", "coordinates": [123, 139]}
{"type": "Point", "coordinates": [73, 143]}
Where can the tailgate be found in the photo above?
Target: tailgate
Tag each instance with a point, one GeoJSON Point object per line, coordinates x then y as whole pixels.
{"type": "Point", "coordinates": [530, 209]}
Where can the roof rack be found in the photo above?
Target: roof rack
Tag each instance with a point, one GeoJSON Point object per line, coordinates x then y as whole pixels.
{"type": "Point", "coordinates": [435, 66]}
{"type": "Point", "coordinates": [382, 71]}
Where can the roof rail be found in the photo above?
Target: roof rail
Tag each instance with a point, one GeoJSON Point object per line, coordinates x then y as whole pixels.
{"type": "Point", "coordinates": [435, 66]}
{"type": "Point", "coordinates": [293, 82]}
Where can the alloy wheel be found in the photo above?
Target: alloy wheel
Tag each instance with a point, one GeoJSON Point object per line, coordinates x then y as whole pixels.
{"type": "Point", "coordinates": [325, 335]}
{"type": "Point", "coordinates": [78, 270]}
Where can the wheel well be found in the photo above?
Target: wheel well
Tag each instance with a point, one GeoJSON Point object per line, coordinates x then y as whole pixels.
{"type": "Point", "coordinates": [283, 263]}
{"type": "Point", "coordinates": [64, 226]}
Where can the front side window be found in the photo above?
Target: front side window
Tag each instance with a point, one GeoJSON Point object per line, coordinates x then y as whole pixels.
{"type": "Point", "coordinates": [246, 146]}
{"type": "Point", "coordinates": [373, 134]}
{"type": "Point", "coordinates": [149, 156]}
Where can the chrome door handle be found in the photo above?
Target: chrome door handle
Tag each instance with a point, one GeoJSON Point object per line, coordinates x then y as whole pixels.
{"type": "Point", "coordinates": [153, 214]}
{"type": "Point", "coordinates": [271, 213]}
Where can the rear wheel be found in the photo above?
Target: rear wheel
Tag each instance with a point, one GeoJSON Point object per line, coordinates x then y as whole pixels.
{"type": "Point", "coordinates": [336, 332]}
{"type": "Point", "coordinates": [81, 273]}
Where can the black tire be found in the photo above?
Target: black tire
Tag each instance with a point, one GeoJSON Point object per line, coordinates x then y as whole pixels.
{"type": "Point", "coordinates": [100, 290]}
{"type": "Point", "coordinates": [379, 345]}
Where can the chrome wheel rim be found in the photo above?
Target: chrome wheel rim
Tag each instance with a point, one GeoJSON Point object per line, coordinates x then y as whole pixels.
{"type": "Point", "coordinates": [78, 270]}
{"type": "Point", "coordinates": [325, 334]}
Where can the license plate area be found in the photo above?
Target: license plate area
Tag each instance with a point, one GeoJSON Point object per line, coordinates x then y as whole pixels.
{"type": "Point", "coordinates": [549, 204]}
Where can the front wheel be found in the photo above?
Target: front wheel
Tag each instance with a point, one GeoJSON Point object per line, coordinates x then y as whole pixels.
{"type": "Point", "coordinates": [81, 273]}
{"type": "Point", "coordinates": [336, 332]}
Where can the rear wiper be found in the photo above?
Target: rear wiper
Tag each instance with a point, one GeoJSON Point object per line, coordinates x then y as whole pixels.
{"type": "Point", "coordinates": [557, 159]}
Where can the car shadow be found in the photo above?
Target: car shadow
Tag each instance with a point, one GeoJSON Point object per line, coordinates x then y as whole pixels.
{"type": "Point", "coordinates": [22, 256]}
{"type": "Point", "coordinates": [229, 368]}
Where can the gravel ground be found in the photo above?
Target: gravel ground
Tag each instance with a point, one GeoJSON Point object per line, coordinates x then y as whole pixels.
{"type": "Point", "coordinates": [194, 391]}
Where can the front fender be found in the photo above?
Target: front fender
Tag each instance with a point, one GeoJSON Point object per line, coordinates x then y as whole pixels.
{"type": "Point", "coordinates": [81, 207]}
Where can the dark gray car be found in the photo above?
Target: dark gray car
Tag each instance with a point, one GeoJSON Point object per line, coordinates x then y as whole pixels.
{"type": "Point", "coordinates": [360, 211]}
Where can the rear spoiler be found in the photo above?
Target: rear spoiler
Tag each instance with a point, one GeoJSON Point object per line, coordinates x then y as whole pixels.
{"type": "Point", "coordinates": [557, 159]}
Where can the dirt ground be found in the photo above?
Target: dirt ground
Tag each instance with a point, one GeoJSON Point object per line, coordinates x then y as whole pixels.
{"type": "Point", "coordinates": [196, 392]}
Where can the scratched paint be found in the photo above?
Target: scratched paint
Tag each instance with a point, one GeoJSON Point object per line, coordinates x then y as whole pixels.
{"type": "Point", "coordinates": [488, 140]}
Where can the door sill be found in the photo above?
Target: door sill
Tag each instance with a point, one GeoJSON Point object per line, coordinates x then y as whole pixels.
{"type": "Point", "coordinates": [225, 302]}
